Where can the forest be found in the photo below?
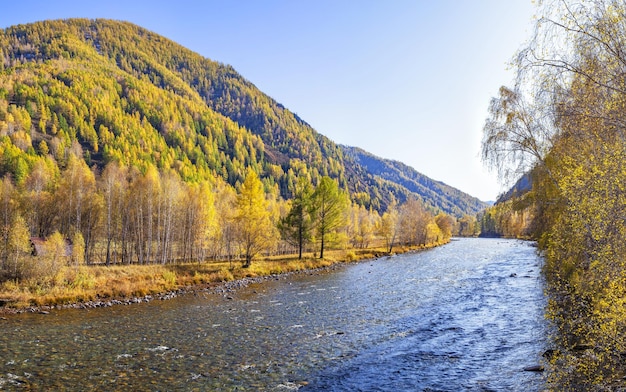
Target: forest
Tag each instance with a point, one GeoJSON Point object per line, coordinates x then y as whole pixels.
{"type": "Point", "coordinates": [119, 147]}
{"type": "Point", "coordinates": [563, 125]}
{"type": "Point", "coordinates": [124, 216]}
{"type": "Point", "coordinates": [132, 96]}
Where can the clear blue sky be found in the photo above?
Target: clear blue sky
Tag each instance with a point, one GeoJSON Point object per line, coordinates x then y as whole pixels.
{"type": "Point", "coordinates": [408, 80]}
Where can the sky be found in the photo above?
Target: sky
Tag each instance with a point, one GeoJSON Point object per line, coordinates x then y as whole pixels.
{"type": "Point", "coordinates": [408, 80]}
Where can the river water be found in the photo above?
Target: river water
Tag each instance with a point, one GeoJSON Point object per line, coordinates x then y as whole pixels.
{"type": "Point", "coordinates": [467, 316]}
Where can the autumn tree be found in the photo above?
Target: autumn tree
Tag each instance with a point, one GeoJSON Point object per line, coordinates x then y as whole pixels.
{"type": "Point", "coordinates": [388, 227]}
{"type": "Point", "coordinates": [78, 249]}
{"type": "Point", "coordinates": [226, 236]}
{"type": "Point", "coordinates": [516, 135]}
{"type": "Point", "coordinates": [571, 81]}
{"type": "Point", "coordinates": [256, 231]}
{"type": "Point", "coordinates": [39, 189]}
{"type": "Point", "coordinates": [54, 258]}
{"type": "Point", "coordinates": [446, 224]}
{"type": "Point", "coordinates": [80, 204]}
{"type": "Point", "coordinates": [19, 246]}
{"type": "Point", "coordinates": [329, 205]}
{"type": "Point", "coordinates": [113, 187]}
{"type": "Point", "coordinates": [468, 226]}
{"type": "Point", "coordinates": [145, 214]}
{"type": "Point", "coordinates": [413, 219]}
{"type": "Point", "coordinates": [8, 213]}
{"type": "Point", "coordinates": [199, 220]}
{"type": "Point", "coordinates": [168, 214]}
{"type": "Point", "coordinates": [361, 226]}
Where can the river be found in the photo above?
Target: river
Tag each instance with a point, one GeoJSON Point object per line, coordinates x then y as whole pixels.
{"type": "Point", "coordinates": [467, 316]}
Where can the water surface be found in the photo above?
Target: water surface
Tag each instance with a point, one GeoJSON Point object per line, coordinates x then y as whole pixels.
{"type": "Point", "coordinates": [466, 316]}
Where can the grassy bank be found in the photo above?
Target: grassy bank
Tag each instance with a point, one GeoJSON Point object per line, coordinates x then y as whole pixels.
{"type": "Point", "coordinates": [94, 283]}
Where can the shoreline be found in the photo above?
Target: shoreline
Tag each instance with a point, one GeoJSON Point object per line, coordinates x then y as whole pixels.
{"type": "Point", "coordinates": [213, 287]}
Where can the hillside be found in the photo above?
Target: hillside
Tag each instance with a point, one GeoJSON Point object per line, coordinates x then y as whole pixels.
{"type": "Point", "coordinates": [521, 187]}
{"type": "Point", "coordinates": [128, 95]}
{"type": "Point", "coordinates": [435, 194]}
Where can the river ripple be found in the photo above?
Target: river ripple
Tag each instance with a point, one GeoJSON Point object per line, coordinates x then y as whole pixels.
{"type": "Point", "coordinates": [466, 316]}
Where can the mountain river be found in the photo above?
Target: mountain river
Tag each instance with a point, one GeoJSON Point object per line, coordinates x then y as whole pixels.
{"type": "Point", "coordinates": [467, 316]}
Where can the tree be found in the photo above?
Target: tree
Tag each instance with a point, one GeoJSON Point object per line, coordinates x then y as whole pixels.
{"type": "Point", "coordinates": [8, 211]}
{"type": "Point", "coordinates": [198, 221]}
{"type": "Point", "coordinates": [41, 209]}
{"type": "Point", "coordinates": [388, 228]}
{"type": "Point", "coordinates": [515, 138]}
{"type": "Point", "coordinates": [55, 256]}
{"type": "Point", "coordinates": [168, 214]}
{"type": "Point", "coordinates": [79, 204]}
{"type": "Point", "coordinates": [573, 75]}
{"type": "Point", "coordinates": [226, 199]}
{"type": "Point", "coordinates": [43, 148]}
{"type": "Point", "coordinates": [78, 249]}
{"type": "Point", "coordinates": [297, 226]}
{"type": "Point", "coordinates": [19, 243]}
{"type": "Point", "coordinates": [113, 187]}
{"type": "Point", "coordinates": [255, 228]}
{"type": "Point", "coordinates": [433, 234]}
{"type": "Point", "coordinates": [362, 223]}
{"type": "Point", "coordinates": [149, 206]}
{"type": "Point", "coordinates": [468, 226]}
{"type": "Point", "coordinates": [329, 205]}
{"type": "Point", "coordinates": [446, 224]}
{"type": "Point", "coordinates": [413, 220]}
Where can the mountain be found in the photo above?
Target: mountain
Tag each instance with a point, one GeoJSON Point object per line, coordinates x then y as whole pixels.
{"type": "Point", "coordinates": [118, 92]}
{"type": "Point", "coordinates": [521, 187]}
{"type": "Point", "coordinates": [435, 194]}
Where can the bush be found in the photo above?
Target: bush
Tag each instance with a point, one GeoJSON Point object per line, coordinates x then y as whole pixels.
{"type": "Point", "coordinates": [169, 277]}
{"type": "Point", "coordinates": [44, 268]}
{"type": "Point", "coordinates": [38, 269]}
{"type": "Point", "coordinates": [82, 280]}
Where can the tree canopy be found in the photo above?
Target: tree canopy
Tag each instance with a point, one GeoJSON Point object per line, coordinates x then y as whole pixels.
{"type": "Point", "coordinates": [564, 124]}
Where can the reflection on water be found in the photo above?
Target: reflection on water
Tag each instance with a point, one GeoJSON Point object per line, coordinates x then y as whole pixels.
{"type": "Point", "coordinates": [467, 316]}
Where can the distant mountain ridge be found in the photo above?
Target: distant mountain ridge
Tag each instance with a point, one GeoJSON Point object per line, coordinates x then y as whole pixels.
{"type": "Point", "coordinates": [434, 193]}
{"type": "Point", "coordinates": [130, 95]}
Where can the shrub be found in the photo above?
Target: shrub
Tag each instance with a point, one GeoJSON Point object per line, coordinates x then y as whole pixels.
{"type": "Point", "coordinates": [169, 277]}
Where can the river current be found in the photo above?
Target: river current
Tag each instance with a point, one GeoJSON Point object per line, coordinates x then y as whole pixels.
{"type": "Point", "coordinates": [467, 316]}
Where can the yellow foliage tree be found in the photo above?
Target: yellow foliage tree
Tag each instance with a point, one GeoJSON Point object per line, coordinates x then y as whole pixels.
{"type": "Point", "coordinates": [256, 231]}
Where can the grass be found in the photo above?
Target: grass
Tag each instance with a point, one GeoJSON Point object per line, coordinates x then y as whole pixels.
{"type": "Point", "coordinates": [91, 283]}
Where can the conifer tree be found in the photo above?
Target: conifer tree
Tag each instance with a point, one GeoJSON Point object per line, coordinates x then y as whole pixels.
{"type": "Point", "coordinates": [329, 205]}
{"type": "Point", "coordinates": [296, 228]}
{"type": "Point", "coordinates": [255, 227]}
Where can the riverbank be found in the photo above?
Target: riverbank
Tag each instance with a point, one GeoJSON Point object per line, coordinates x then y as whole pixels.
{"type": "Point", "coordinates": [85, 287]}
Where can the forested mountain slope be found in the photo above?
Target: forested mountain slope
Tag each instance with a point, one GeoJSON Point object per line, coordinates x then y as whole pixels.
{"type": "Point", "coordinates": [126, 94]}
{"type": "Point", "coordinates": [434, 193]}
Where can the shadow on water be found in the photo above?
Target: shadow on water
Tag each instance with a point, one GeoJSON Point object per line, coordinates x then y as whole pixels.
{"type": "Point", "coordinates": [466, 316]}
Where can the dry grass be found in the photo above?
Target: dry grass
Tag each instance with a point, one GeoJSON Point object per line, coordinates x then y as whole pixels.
{"type": "Point", "coordinates": [90, 283]}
